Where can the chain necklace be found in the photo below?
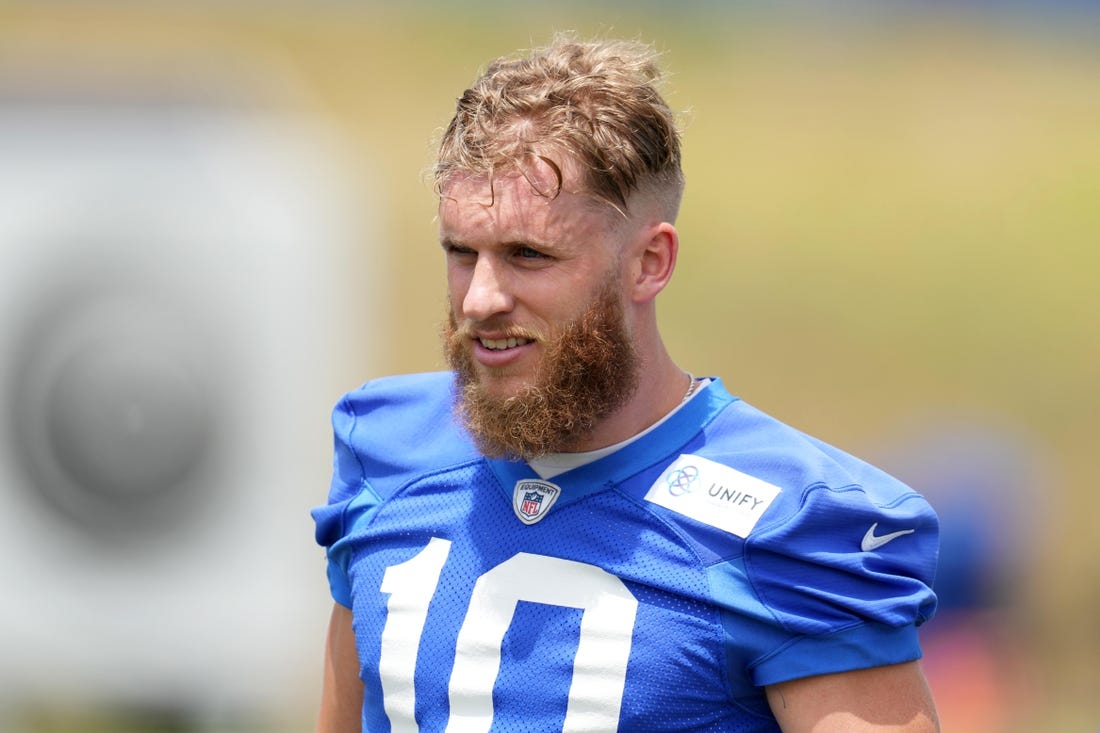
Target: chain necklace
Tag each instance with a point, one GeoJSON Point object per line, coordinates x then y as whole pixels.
{"type": "Point", "coordinates": [691, 387]}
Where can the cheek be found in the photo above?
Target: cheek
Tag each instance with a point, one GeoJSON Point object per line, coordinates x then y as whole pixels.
{"type": "Point", "coordinates": [457, 286]}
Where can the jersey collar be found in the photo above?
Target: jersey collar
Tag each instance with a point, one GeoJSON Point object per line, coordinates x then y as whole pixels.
{"type": "Point", "coordinates": [653, 448]}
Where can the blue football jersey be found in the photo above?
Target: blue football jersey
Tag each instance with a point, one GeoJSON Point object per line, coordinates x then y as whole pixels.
{"type": "Point", "coordinates": [658, 588]}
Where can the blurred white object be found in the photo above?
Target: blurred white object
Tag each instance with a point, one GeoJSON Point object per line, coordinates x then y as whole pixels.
{"type": "Point", "coordinates": [173, 296]}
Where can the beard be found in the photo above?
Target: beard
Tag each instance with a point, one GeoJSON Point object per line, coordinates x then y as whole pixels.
{"type": "Point", "coordinates": [588, 370]}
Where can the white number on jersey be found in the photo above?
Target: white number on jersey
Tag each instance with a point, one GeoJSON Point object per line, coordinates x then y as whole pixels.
{"type": "Point", "coordinates": [599, 667]}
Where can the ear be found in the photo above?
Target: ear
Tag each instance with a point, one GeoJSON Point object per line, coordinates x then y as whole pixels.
{"type": "Point", "coordinates": [655, 261]}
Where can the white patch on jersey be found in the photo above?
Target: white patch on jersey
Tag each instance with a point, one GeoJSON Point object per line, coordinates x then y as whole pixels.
{"type": "Point", "coordinates": [713, 494]}
{"type": "Point", "coordinates": [532, 499]}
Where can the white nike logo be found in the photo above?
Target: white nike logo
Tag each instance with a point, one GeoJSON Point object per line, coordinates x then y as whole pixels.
{"type": "Point", "coordinates": [871, 542]}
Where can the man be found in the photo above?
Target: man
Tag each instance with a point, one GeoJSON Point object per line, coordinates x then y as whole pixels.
{"type": "Point", "coordinates": [568, 531]}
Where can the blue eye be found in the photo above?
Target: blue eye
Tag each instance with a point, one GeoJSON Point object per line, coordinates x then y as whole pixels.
{"type": "Point", "coordinates": [529, 253]}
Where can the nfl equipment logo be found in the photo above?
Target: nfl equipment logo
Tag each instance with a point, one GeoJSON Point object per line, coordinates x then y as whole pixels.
{"type": "Point", "coordinates": [532, 499]}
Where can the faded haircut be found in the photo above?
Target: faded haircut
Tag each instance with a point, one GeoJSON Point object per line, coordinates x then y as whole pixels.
{"type": "Point", "coordinates": [594, 102]}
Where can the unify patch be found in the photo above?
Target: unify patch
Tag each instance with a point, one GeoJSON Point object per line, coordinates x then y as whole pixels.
{"type": "Point", "coordinates": [713, 494]}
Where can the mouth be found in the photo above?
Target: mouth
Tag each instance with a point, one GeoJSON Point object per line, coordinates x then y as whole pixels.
{"type": "Point", "coordinates": [503, 344]}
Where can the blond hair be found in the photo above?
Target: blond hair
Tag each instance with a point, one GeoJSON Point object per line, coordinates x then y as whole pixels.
{"type": "Point", "coordinates": [596, 103]}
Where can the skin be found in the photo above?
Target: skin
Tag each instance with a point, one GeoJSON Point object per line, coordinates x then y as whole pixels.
{"type": "Point", "coordinates": [522, 266]}
{"type": "Point", "coordinates": [341, 690]}
{"type": "Point", "coordinates": [892, 698]}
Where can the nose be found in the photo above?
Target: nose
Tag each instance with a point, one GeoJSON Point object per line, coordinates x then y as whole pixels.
{"type": "Point", "coordinates": [488, 293]}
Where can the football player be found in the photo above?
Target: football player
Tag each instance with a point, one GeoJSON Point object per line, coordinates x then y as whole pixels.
{"type": "Point", "coordinates": [567, 531]}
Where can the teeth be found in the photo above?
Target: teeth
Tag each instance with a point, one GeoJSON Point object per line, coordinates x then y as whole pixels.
{"type": "Point", "coordinates": [501, 344]}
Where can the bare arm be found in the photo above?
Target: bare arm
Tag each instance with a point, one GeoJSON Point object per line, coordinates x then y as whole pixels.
{"type": "Point", "coordinates": [893, 698]}
{"type": "Point", "coordinates": [342, 691]}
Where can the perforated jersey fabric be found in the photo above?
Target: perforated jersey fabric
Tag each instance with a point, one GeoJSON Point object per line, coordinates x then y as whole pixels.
{"type": "Point", "coordinates": [664, 586]}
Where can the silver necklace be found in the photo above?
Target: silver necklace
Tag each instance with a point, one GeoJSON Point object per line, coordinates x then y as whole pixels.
{"type": "Point", "coordinates": [690, 389]}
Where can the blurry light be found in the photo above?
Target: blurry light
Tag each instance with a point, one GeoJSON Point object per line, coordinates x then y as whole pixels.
{"type": "Point", "coordinates": [112, 414]}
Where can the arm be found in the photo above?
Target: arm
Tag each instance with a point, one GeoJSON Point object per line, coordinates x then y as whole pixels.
{"type": "Point", "coordinates": [893, 698]}
{"type": "Point", "coordinates": [342, 691]}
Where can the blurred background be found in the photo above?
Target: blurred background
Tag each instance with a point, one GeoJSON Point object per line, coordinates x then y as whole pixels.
{"type": "Point", "coordinates": [214, 221]}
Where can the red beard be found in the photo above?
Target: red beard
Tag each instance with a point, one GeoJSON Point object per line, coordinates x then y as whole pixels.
{"type": "Point", "coordinates": [589, 370]}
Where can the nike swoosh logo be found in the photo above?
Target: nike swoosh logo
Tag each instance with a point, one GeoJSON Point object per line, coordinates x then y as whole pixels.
{"type": "Point", "coordinates": [871, 542]}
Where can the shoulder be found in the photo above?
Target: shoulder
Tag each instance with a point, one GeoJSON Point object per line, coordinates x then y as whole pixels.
{"type": "Point", "coordinates": [753, 442]}
{"type": "Point", "coordinates": [426, 394]}
{"type": "Point", "coordinates": [841, 541]}
{"type": "Point", "coordinates": [386, 433]}
{"type": "Point", "coordinates": [395, 427]}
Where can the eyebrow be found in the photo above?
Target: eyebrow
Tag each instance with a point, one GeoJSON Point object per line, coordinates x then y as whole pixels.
{"type": "Point", "coordinates": [537, 244]}
{"type": "Point", "coordinates": [532, 244]}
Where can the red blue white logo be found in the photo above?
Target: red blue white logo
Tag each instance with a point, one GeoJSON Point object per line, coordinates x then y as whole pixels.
{"type": "Point", "coordinates": [532, 499]}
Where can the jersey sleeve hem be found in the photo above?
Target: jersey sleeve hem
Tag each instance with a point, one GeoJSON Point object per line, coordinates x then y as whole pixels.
{"type": "Point", "coordinates": [338, 583]}
{"type": "Point", "coordinates": [859, 647]}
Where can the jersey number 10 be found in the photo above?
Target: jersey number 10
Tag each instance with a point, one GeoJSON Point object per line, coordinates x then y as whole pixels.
{"type": "Point", "coordinates": [599, 667]}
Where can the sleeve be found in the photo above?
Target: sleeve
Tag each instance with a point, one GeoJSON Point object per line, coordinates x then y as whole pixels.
{"type": "Point", "coordinates": [384, 433]}
{"type": "Point", "coordinates": [847, 577]}
{"type": "Point", "coordinates": [347, 487]}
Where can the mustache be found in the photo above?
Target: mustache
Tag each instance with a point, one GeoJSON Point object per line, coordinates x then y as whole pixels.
{"type": "Point", "coordinates": [473, 330]}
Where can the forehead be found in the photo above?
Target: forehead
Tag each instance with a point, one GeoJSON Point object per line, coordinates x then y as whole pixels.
{"type": "Point", "coordinates": [520, 205]}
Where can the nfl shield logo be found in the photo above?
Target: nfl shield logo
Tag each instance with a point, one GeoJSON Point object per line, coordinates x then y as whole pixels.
{"type": "Point", "coordinates": [529, 507]}
{"type": "Point", "coordinates": [532, 499]}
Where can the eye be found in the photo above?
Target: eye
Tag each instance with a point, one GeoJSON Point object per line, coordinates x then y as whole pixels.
{"type": "Point", "coordinates": [529, 253]}
{"type": "Point", "coordinates": [457, 250]}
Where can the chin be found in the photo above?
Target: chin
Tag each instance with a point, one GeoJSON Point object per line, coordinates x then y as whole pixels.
{"type": "Point", "coordinates": [500, 383]}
